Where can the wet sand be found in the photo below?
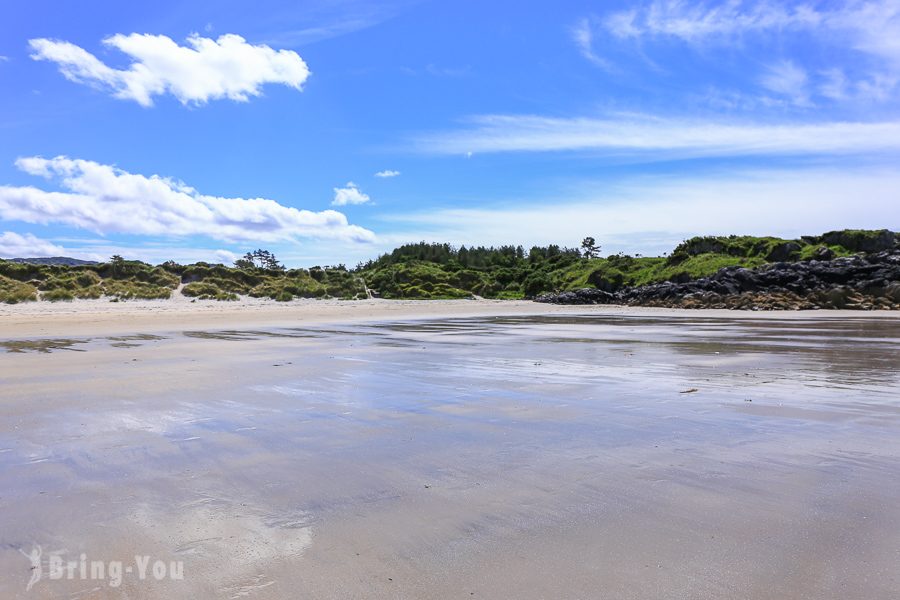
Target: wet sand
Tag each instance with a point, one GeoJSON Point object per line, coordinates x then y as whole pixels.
{"type": "Point", "coordinates": [452, 450]}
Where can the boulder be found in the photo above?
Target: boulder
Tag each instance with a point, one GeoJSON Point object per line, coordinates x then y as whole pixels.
{"type": "Point", "coordinates": [823, 253]}
{"type": "Point", "coordinates": [784, 252]}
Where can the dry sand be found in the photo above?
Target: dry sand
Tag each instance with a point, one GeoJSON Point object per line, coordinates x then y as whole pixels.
{"type": "Point", "coordinates": [458, 449]}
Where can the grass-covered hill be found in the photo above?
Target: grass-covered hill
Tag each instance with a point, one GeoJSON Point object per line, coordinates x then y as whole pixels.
{"type": "Point", "coordinates": [440, 271]}
{"type": "Point", "coordinates": [426, 271]}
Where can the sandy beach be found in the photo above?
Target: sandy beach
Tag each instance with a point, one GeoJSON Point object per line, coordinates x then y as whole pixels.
{"type": "Point", "coordinates": [458, 449]}
{"type": "Point", "coordinates": [92, 317]}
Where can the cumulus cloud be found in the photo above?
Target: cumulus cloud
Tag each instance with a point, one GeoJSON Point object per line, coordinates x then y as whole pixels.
{"type": "Point", "coordinates": [104, 199]}
{"type": "Point", "coordinates": [14, 245]}
{"type": "Point", "coordinates": [205, 69]}
{"type": "Point", "coordinates": [349, 194]}
{"type": "Point", "coordinates": [387, 173]}
{"type": "Point", "coordinates": [645, 134]}
{"type": "Point", "coordinates": [226, 257]}
{"type": "Point", "coordinates": [158, 251]}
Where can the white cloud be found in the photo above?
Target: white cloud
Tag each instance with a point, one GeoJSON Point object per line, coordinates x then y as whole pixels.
{"type": "Point", "coordinates": [879, 87]}
{"type": "Point", "coordinates": [3, 58]}
{"type": "Point", "coordinates": [350, 194]}
{"type": "Point", "coordinates": [149, 251]}
{"type": "Point", "coordinates": [874, 27]}
{"type": "Point", "coordinates": [692, 21]}
{"type": "Point", "coordinates": [788, 80]}
{"type": "Point", "coordinates": [104, 199]}
{"type": "Point", "coordinates": [652, 214]}
{"type": "Point", "coordinates": [620, 24]}
{"type": "Point", "coordinates": [387, 173]}
{"type": "Point", "coordinates": [834, 84]}
{"type": "Point", "coordinates": [871, 28]}
{"type": "Point", "coordinates": [226, 257]}
{"type": "Point", "coordinates": [205, 69]}
{"type": "Point", "coordinates": [583, 36]}
{"type": "Point", "coordinates": [14, 245]}
{"type": "Point", "coordinates": [644, 134]}
{"type": "Point", "coordinates": [320, 21]}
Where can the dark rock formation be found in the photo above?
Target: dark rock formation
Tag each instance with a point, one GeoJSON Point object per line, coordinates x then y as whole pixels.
{"type": "Point", "coordinates": [823, 253]}
{"type": "Point", "coordinates": [860, 241]}
{"type": "Point", "coordinates": [864, 282]}
{"type": "Point", "coordinates": [600, 282]}
{"type": "Point", "coordinates": [783, 252]}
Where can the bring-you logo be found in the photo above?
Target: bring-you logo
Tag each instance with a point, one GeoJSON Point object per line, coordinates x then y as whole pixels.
{"type": "Point", "coordinates": [55, 567]}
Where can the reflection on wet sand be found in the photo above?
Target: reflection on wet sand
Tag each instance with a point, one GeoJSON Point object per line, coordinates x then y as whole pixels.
{"type": "Point", "coordinates": [502, 457]}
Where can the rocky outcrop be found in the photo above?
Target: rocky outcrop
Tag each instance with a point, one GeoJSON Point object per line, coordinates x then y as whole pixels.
{"type": "Point", "coordinates": [784, 252]}
{"type": "Point", "coordinates": [861, 241]}
{"type": "Point", "coordinates": [863, 282]}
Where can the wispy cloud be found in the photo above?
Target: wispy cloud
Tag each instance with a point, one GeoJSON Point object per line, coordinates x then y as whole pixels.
{"type": "Point", "coordinates": [673, 137]}
{"type": "Point", "coordinates": [349, 194]}
{"type": "Point", "coordinates": [583, 36]}
{"type": "Point", "coordinates": [787, 80]}
{"type": "Point", "coordinates": [834, 84]}
{"type": "Point", "coordinates": [437, 71]}
{"type": "Point", "coordinates": [321, 21]}
{"type": "Point", "coordinates": [652, 214]}
{"type": "Point", "coordinates": [324, 31]}
{"type": "Point", "coordinates": [387, 174]}
{"type": "Point", "coordinates": [864, 35]}
{"type": "Point", "coordinates": [103, 199]}
{"type": "Point", "coordinates": [693, 21]}
{"type": "Point", "coordinates": [204, 70]}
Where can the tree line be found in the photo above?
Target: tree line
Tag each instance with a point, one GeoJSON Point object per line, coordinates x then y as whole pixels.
{"type": "Point", "coordinates": [479, 257]}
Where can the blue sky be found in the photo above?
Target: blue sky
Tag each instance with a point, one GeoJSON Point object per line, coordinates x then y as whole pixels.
{"type": "Point", "coordinates": [197, 131]}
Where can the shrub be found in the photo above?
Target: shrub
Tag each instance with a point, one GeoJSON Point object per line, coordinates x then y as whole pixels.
{"type": "Point", "coordinates": [57, 295]}
{"type": "Point", "coordinates": [537, 283]}
{"type": "Point", "coordinates": [13, 292]}
{"type": "Point", "coordinates": [87, 279]}
{"type": "Point", "coordinates": [131, 290]}
{"type": "Point", "coordinates": [207, 291]}
{"type": "Point", "coordinates": [23, 271]}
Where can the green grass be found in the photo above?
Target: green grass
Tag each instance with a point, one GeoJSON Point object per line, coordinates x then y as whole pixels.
{"type": "Point", "coordinates": [501, 274]}
{"type": "Point", "coordinates": [130, 280]}
{"type": "Point", "coordinates": [13, 292]}
{"type": "Point", "coordinates": [207, 290]}
{"type": "Point", "coordinates": [227, 282]}
{"type": "Point", "coordinates": [284, 289]}
{"type": "Point", "coordinates": [135, 290]}
{"type": "Point", "coordinates": [428, 281]}
{"type": "Point", "coordinates": [425, 271]}
{"type": "Point", "coordinates": [421, 280]}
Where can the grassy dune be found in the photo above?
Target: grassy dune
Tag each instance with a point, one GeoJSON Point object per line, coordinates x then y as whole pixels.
{"type": "Point", "coordinates": [132, 280]}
